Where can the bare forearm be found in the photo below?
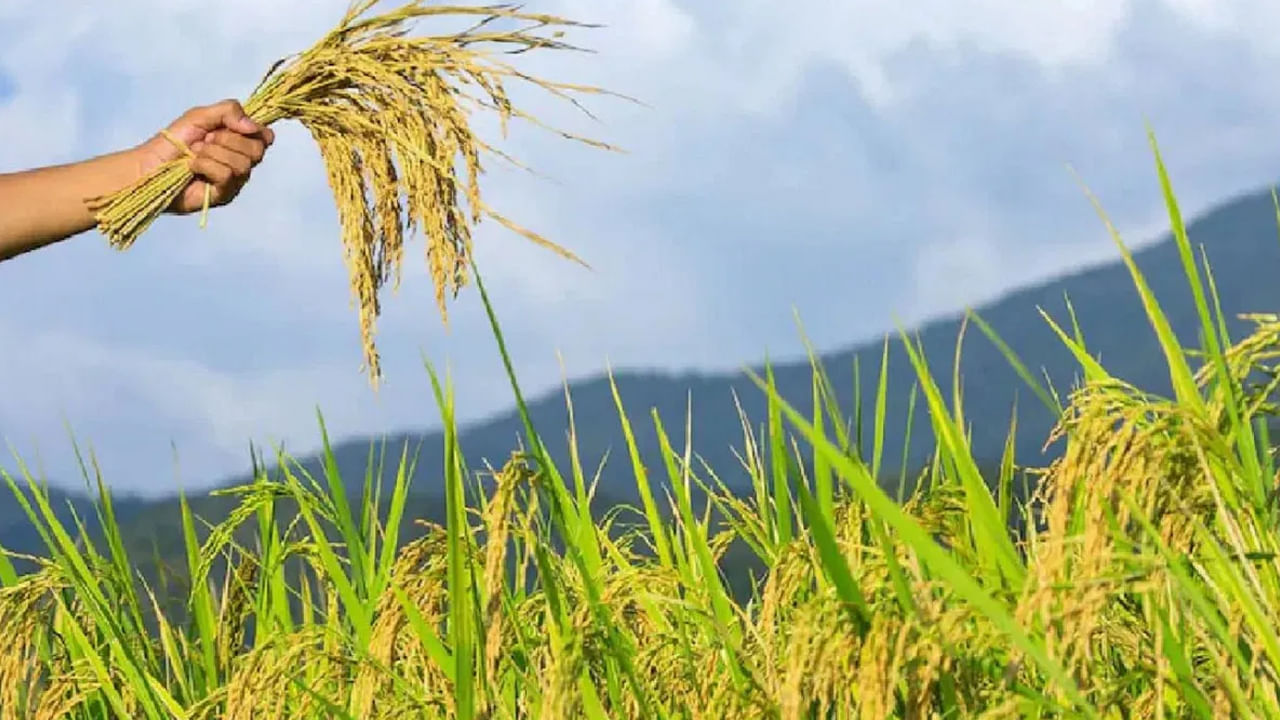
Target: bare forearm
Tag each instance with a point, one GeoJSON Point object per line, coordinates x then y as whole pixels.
{"type": "Point", "coordinates": [44, 206]}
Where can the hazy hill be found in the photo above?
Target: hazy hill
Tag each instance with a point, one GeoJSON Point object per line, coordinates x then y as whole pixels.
{"type": "Point", "coordinates": [1240, 237]}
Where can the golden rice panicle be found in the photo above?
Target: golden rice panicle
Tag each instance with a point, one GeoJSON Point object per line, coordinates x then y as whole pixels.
{"type": "Point", "coordinates": [390, 113]}
{"type": "Point", "coordinates": [342, 162]}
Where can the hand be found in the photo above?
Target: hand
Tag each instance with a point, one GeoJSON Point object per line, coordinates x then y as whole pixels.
{"type": "Point", "coordinates": [227, 146]}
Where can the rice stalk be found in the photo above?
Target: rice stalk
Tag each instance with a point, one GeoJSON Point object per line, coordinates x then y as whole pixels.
{"type": "Point", "coordinates": [390, 113]}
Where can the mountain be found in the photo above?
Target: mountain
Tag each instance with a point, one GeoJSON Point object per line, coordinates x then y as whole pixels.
{"type": "Point", "coordinates": [19, 535]}
{"type": "Point", "coordinates": [1240, 237]}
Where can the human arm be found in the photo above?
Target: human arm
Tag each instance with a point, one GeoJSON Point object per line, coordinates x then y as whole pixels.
{"type": "Point", "coordinates": [47, 205]}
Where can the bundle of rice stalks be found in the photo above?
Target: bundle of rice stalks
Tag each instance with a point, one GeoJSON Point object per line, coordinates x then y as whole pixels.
{"type": "Point", "coordinates": [389, 113]}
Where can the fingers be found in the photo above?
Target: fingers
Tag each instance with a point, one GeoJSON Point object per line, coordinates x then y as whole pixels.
{"type": "Point", "coordinates": [225, 118]}
{"type": "Point", "coordinates": [227, 145]}
{"type": "Point", "coordinates": [239, 163]}
{"type": "Point", "coordinates": [226, 159]}
{"type": "Point", "coordinates": [225, 170]}
{"type": "Point", "coordinates": [251, 147]}
{"type": "Point", "coordinates": [228, 113]}
{"type": "Point", "coordinates": [213, 171]}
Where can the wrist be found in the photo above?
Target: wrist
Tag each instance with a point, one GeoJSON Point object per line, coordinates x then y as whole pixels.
{"type": "Point", "coordinates": [128, 166]}
{"type": "Point", "coordinates": [149, 155]}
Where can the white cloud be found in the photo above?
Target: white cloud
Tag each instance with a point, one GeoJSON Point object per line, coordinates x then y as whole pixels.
{"type": "Point", "coordinates": [771, 45]}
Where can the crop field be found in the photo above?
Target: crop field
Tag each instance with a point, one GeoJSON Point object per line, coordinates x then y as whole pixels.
{"type": "Point", "coordinates": [1135, 576]}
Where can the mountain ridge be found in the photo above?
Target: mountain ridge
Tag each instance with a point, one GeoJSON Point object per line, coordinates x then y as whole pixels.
{"type": "Point", "coordinates": [1240, 237]}
{"type": "Point", "coordinates": [1168, 282]}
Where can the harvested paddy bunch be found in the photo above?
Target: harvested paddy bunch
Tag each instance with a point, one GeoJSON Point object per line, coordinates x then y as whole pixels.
{"type": "Point", "coordinates": [390, 113]}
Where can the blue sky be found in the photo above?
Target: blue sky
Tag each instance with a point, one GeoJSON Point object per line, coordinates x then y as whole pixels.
{"type": "Point", "coordinates": [857, 162]}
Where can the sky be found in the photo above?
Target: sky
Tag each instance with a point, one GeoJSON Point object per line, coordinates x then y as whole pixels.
{"type": "Point", "coordinates": [859, 163]}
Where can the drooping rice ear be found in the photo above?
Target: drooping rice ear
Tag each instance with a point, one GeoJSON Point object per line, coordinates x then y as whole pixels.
{"type": "Point", "coordinates": [343, 165]}
{"type": "Point", "coordinates": [390, 114]}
